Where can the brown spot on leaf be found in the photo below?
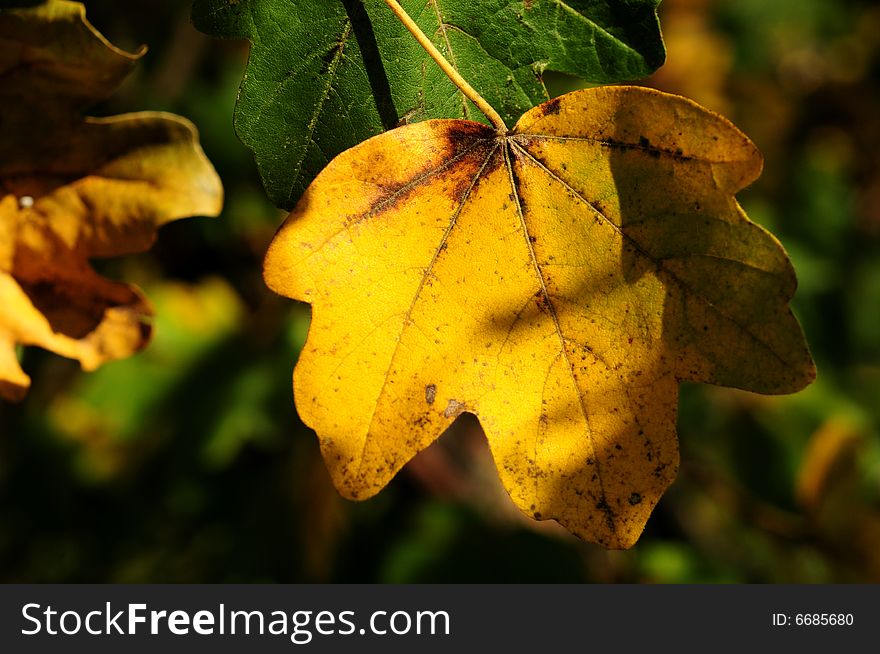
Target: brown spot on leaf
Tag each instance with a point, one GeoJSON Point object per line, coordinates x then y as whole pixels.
{"type": "Point", "coordinates": [543, 302]}
{"type": "Point", "coordinates": [463, 133]}
{"type": "Point", "coordinates": [453, 409]}
{"type": "Point", "coordinates": [551, 108]}
{"type": "Point", "coordinates": [430, 393]}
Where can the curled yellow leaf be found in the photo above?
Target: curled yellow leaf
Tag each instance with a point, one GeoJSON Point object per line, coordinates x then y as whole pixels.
{"type": "Point", "coordinates": [75, 188]}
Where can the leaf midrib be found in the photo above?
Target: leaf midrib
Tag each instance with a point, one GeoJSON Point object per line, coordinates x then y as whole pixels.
{"type": "Point", "coordinates": [603, 503]}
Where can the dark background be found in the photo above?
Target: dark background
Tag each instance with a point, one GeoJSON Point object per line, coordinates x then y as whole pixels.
{"type": "Point", "coordinates": [187, 463]}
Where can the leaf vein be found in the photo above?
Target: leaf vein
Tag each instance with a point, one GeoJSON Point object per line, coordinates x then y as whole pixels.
{"type": "Point", "coordinates": [658, 262]}
{"type": "Point", "coordinates": [441, 28]}
{"type": "Point", "coordinates": [562, 341]}
{"type": "Point", "coordinates": [316, 114]}
{"type": "Point", "coordinates": [407, 317]}
{"type": "Point", "coordinates": [390, 199]}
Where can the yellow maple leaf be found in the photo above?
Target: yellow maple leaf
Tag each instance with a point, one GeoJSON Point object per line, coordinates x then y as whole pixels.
{"type": "Point", "coordinates": [557, 281]}
{"type": "Point", "coordinates": [74, 188]}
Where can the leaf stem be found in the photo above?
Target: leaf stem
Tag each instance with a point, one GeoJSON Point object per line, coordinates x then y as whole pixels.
{"type": "Point", "coordinates": [468, 90]}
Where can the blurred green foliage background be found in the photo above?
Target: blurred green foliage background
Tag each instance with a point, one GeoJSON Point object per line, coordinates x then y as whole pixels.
{"type": "Point", "coordinates": [187, 463]}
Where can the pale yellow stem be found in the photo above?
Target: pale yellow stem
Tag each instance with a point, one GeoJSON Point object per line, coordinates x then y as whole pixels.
{"type": "Point", "coordinates": [468, 90]}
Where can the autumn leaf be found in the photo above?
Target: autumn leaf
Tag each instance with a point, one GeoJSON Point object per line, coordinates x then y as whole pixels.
{"type": "Point", "coordinates": [558, 281]}
{"type": "Point", "coordinates": [74, 188]}
{"type": "Point", "coordinates": [323, 76]}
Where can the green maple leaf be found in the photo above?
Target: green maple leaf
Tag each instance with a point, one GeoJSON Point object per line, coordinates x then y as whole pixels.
{"type": "Point", "coordinates": [323, 76]}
